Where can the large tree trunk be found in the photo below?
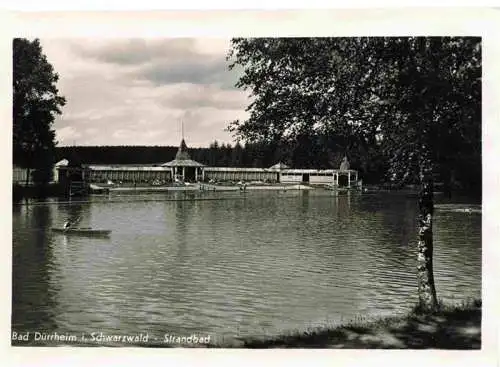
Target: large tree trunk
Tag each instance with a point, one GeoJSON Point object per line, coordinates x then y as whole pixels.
{"type": "Point", "coordinates": [426, 287]}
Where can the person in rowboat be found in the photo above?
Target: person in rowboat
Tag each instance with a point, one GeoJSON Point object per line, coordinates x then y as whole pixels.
{"type": "Point", "coordinates": [69, 223]}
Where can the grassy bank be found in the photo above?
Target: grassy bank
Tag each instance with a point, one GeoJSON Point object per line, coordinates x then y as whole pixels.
{"type": "Point", "coordinates": [450, 327]}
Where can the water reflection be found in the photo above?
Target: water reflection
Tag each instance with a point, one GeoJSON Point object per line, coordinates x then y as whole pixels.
{"type": "Point", "coordinates": [252, 264]}
{"type": "Point", "coordinates": [343, 202]}
{"type": "Point", "coordinates": [33, 298]}
{"type": "Point", "coordinates": [180, 271]}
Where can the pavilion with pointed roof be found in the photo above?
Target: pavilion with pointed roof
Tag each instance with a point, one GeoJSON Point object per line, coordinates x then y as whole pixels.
{"type": "Point", "coordinates": [183, 167]}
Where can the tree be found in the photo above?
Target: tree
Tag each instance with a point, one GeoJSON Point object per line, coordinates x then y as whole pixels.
{"type": "Point", "coordinates": [213, 154]}
{"type": "Point", "coordinates": [403, 97]}
{"type": "Point", "coordinates": [237, 155]}
{"type": "Point", "coordinates": [36, 102]}
{"type": "Point", "coordinates": [435, 89]}
{"type": "Point", "coordinates": [303, 86]}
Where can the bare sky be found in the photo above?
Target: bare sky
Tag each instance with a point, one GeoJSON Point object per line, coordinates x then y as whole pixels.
{"type": "Point", "coordinates": [137, 91]}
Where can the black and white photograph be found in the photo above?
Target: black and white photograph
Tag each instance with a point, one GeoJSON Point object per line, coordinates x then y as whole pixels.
{"type": "Point", "coordinates": [247, 192]}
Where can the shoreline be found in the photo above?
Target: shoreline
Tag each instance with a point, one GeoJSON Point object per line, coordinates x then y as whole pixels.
{"type": "Point", "coordinates": [451, 327]}
{"type": "Point", "coordinates": [211, 187]}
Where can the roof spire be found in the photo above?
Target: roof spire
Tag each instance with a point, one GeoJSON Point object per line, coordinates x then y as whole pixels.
{"type": "Point", "coordinates": [182, 129]}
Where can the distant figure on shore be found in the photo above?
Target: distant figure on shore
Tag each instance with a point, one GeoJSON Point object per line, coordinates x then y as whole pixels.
{"type": "Point", "coordinates": [344, 166]}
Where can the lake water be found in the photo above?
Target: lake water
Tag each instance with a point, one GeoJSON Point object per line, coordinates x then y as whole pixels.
{"type": "Point", "coordinates": [230, 265]}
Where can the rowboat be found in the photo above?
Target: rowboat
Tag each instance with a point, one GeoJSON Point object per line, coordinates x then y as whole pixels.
{"type": "Point", "coordinates": [83, 231]}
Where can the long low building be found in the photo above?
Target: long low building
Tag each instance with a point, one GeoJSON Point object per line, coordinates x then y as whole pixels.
{"type": "Point", "coordinates": [126, 173]}
{"type": "Point", "coordinates": [184, 169]}
{"type": "Point", "coordinates": [283, 175]}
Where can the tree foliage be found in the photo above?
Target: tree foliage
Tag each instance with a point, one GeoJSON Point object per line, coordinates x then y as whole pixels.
{"type": "Point", "coordinates": [384, 97]}
{"type": "Point", "coordinates": [303, 86]}
{"type": "Point", "coordinates": [36, 102]}
{"type": "Point", "coordinates": [435, 91]}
